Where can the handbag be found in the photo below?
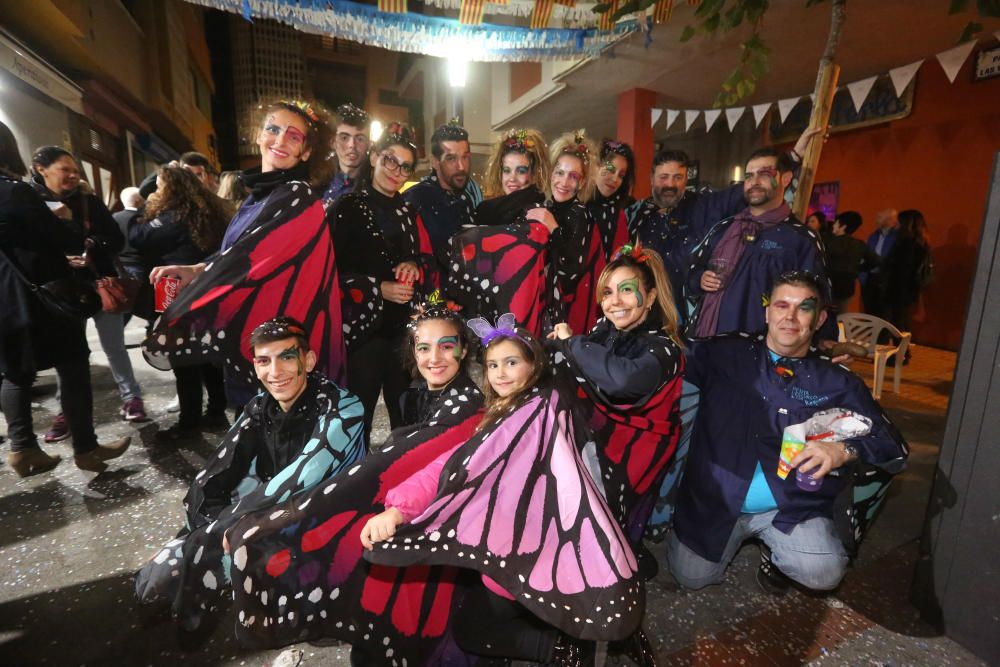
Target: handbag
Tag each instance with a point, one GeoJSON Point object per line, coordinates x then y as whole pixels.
{"type": "Point", "coordinates": [65, 298]}
{"type": "Point", "coordinates": [117, 293]}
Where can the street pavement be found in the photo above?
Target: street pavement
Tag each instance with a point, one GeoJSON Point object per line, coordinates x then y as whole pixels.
{"type": "Point", "coordinates": [71, 540]}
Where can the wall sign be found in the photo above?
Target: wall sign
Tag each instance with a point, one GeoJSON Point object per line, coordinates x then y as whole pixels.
{"type": "Point", "coordinates": [987, 65]}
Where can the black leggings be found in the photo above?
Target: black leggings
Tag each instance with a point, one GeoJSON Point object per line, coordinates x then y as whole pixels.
{"type": "Point", "coordinates": [189, 382]}
{"type": "Point", "coordinates": [496, 627]}
{"type": "Point", "coordinates": [377, 367]}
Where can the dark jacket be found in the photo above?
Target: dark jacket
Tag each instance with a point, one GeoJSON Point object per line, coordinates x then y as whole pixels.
{"type": "Point", "coordinates": [744, 408]}
{"type": "Point", "coordinates": [846, 257]}
{"type": "Point", "coordinates": [36, 242]}
{"type": "Point", "coordinates": [165, 240]}
{"type": "Point", "coordinates": [126, 219]}
{"type": "Point", "coordinates": [91, 220]}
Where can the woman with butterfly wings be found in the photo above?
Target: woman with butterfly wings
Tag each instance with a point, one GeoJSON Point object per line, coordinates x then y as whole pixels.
{"type": "Point", "coordinates": [382, 242]}
{"type": "Point", "coordinates": [277, 258]}
{"type": "Point", "coordinates": [615, 179]}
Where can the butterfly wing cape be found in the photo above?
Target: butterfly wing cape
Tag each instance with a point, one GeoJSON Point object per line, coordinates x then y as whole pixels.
{"type": "Point", "coordinates": [282, 265]}
{"type": "Point", "coordinates": [517, 504]}
{"type": "Point", "coordinates": [502, 269]}
{"type": "Point", "coordinates": [297, 568]}
{"type": "Point", "coordinates": [635, 442]}
{"type": "Point", "coordinates": [190, 570]}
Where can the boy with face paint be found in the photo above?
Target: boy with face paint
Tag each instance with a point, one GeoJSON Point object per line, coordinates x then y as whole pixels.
{"type": "Point", "coordinates": [301, 430]}
{"type": "Point", "coordinates": [752, 387]}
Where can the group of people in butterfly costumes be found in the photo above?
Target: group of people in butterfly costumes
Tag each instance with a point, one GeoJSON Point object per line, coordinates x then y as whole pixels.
{"type": "Point", "coordinates": [545, 501]}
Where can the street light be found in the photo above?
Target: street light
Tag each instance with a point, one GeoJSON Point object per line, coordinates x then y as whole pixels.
{"type": "Point", "coordinates": [458, 70]}
{"type": "Point", "coordinates": [376, 131]}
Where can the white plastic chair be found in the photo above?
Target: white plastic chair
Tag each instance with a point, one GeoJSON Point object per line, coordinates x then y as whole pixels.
{"type": "Point", "coordinates": [865, 331]}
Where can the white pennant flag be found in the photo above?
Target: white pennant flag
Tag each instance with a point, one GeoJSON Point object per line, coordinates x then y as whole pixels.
{"type": "Point", "coordinates": [733, 116]}
{"type": "Point", "coordinates": [655, 116]}
{"type": "Point", "coordinates": [672, 115]}
{"type": "Point", "coordinates": [952, 59]}
{"type": "Point", "coordinates": [859, 91]}
{"type": "Point", "coordinates": [759, 111]}
{"type": "Point", "coordinates": [690, 116]}
{"type": "Point", "coordinates": [901, 76]}
{"type": "Point", "coordinates": [711, 116]}
{"type": "Point", "coordinates": [785, 106]}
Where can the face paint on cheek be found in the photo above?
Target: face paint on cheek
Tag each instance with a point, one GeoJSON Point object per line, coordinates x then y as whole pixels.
{"type": "Point", "coordinates": [808, 306]}
{"type": "Point", "coordinates": [633, 285]}
{"type": "Point", "coordinates": [774, 182]}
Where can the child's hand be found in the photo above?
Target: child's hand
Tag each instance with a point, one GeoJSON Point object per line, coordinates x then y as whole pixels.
{"type": "Point", "coordinates": [380, 527]}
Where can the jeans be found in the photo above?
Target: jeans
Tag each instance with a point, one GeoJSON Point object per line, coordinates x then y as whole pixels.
{"type": "Point", "coordinates": [812, 554]}
{"type": "Point", "coordinates": [111, 331]}
{"type": "Point", "coordinates": [77, 405]}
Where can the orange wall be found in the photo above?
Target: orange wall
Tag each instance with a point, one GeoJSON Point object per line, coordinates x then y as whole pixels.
{"type": "Point", "coordinates": [938, 160]}
{"type": "Point", "coordinates": [524, 77]}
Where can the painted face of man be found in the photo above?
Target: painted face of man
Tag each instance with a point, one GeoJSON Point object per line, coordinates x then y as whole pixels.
{"type": "Point", "coordinates": [567, 177]}
{"type": "Point", "coordinates": [438, 352]}
{"type": "Point", "coordinates": [282, 140]}
{"type": "Point", "coordinates": [612, 173]}
{"type": "Point", "coordinates": [763, 185]}
{"type": "Point", "coordinates": [625, 300]}
{"type": "Point", "coordinates": [515, 172]}
{"type": "Point", "coordinates": [351, 145]}
{"type": "Point", "coordinates": [283, 367]}
{"type": "Point", "coordinates": [793, 316]}
{"type": "Point", "coordinates": [453, 166]}
{"type": "Point", "coordinates": [669, 181]}
{"type": "Point", "coordinates": [507, 369]}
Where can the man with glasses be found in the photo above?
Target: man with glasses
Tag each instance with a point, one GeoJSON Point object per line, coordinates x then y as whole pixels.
{"type": "Point", "coordinates": [732, 269]}
{"type": "Point", "coordinates": [350, 144]}
{"type": "Point", "coordinates": [446, 198]}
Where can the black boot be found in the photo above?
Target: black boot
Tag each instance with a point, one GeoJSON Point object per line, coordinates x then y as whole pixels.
{"type": "Point", "coordinates": [570, 652]}
{"type": "Point", "coordinates": [769, 577]}
{"type": "Point", "coordinates": [637, 648]}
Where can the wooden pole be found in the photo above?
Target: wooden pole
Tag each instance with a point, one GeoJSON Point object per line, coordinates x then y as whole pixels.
{"type": "Point", "coordinates": [826, 87]}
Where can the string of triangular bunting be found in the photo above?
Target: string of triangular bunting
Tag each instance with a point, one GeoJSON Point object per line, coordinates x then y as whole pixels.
{"type": "Point", "coordinates": [951, 62]}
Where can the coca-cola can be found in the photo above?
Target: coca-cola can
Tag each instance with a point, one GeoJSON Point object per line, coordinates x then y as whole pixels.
{"type": "Point", "coordinates": [167, 288]}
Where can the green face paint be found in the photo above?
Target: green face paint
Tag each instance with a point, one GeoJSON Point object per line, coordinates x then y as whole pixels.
{"type": "Point", "coordinates": [809, 306]}
{"type": "Point", "coordinates": [631, 286]}
{"type": "Point", "coordinates": [451, 343]}
{"type": "Point", "coordinates": [774, 182]}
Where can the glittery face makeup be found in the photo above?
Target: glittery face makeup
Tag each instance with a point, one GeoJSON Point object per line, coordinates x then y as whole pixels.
{"type": "Point", "coordinates": [624, 300]}
{"type": "Point", "coordinates": [283, 368]}
{"type": "Point", "coordinates": [438, 352]}
{"type": "Point", "coordinates": [282, 140]}
{"type": "Point", "coordinates": [793, 316]}
{"type": "Point", "coordinates": [611, 175]}
{"type": "Point", "coordinates": [567, 177]}
{"type": "Point", "coordinates": [515, 172]}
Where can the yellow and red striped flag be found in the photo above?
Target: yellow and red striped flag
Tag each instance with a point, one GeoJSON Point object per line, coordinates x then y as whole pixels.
{"type": "Point", "coordinates": [392, 6]}
{"type": "Point", "coordinates": [541, 14]}
{"type": "Point", "coordinates": [662, 11]}
{"type": "Point", "coordinates": [471, 12]}
{"type": "Point", "coordinates": [566, 3]}
{"type": "Point", "coordinates": [606, 22]}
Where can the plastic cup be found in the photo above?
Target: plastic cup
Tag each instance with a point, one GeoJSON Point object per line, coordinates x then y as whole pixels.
{"type": "Point", "coordinates": [806, 482]}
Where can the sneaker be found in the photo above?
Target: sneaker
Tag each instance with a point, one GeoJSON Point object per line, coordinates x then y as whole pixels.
{"type": "Point", "coordinates": [174, 405]}
{"type": "Point", "coordinates": [134, 411]}
{"type": "Point", "coordinates": [94, 460]}
{"type": "Point", "coordinates": [58, 431]}
{"type": "Point", "coordinates": [769, 577]}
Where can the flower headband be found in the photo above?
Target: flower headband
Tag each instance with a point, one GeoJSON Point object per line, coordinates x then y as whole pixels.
{"type": "Point", "coordinates": [611, 146]}
{"type": "Point", "coordinates": [435, 308]}
{"type": "Point", "coordinates": [635, 252]}
{"type": "Point", "coordinates": [519, 140]}
{"type": "Point", "coordinates": [279, 327]}
{"type": "Point", "coordinates": [506, 327]}
{"type": "Point", "coordinates": [352, 115]}
{"type": "Point", "coordinates": [302, 106]}
{"type": "Point", "coordinates": [579, 149]}
{"type": "Point", "coordinates": [397, 133]}
{"type": "Point", "coordinates": [452, 131]}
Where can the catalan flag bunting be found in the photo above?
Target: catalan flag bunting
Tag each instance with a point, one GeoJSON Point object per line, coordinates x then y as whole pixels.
{"type": "Point", "coordinates": [392, 6]}
{"type": "Point", "coordinates": [472, 12]}
{"type": "Point", "coordinates": [662, 11]}
{"type": "Point", "coordinates": [541, 14]}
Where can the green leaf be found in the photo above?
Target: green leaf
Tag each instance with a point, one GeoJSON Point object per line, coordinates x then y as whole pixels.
{"type": "Point", "coordinates": [810, 3]}
{"type": "Point", "coordinates": [687, 33]}
{"type": "Point", "coordinates": [958, 6]}
{"type": "Point", "coordinates": [711, 24]}
{"type": "Point", "coordinates": [755, 9]}
{"type": "Point", "coordinates": [733, 17]}
{"type": "Point", "coordinates": [601, 8]}
{"type": "Point", "coordinates": [970, 32]}
{"type": "Point", "coordinates": [709, 7]}
{"type": "Point", "coordinates": [759, 66]}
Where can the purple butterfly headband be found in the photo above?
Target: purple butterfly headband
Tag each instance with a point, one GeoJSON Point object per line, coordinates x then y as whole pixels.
{"type": "Point", "coordinates": [506, 327]}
